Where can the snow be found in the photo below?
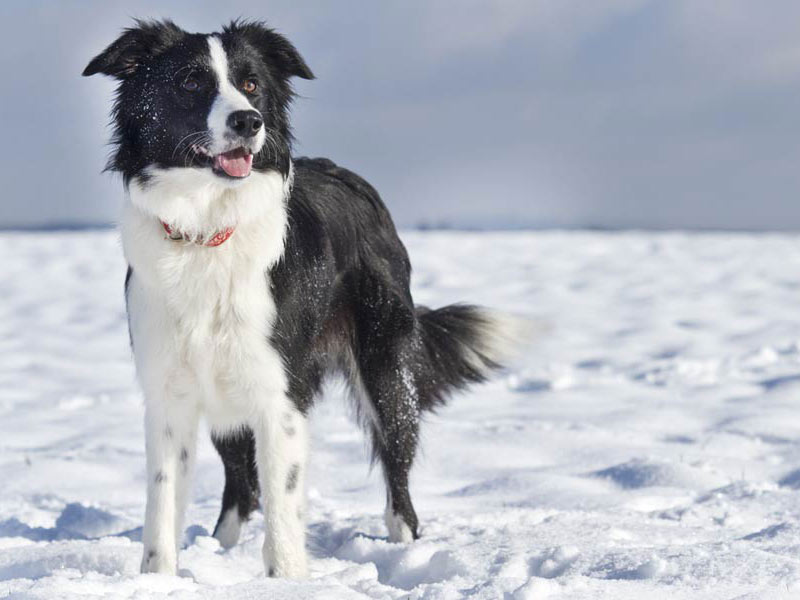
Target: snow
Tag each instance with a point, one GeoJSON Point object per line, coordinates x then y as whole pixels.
{"type": "Point", "coordinates": [647, 445]}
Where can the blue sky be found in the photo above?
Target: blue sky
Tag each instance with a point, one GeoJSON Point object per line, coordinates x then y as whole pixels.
{"type": "Point", "coordinates": [622, 113]}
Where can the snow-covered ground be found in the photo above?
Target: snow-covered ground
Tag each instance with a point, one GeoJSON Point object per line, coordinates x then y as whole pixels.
{"type": "Point", "coordinates": [646, 446]}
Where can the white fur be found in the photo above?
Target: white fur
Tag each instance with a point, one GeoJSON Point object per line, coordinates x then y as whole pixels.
{"type": "Point", "coordinates": [200, 322]}
{"type": "Point", "coordinates": [199, 203]}
{"type": "Point", "coordinates": [284, 543]}
{"type": "Point", "coordinates": [284, 549]}
{"type": "Point", "coordinates": [502, 337]}
{"type": "Point", "coordinates": [229, 529]}
{"type": "Point", "coordinates": [399, 532]}
{"type": "Point", "coordinates": [229, 99]}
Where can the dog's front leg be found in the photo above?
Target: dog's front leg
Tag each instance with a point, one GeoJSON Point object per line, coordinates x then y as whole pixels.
{"type": "Point", "coordinates": [281, 452]}
{"type": "Point", "coordinates": [171, 433]}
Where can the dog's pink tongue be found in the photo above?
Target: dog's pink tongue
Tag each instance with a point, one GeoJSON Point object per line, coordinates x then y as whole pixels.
{"type": "Point", "coordinates": [236, 163]}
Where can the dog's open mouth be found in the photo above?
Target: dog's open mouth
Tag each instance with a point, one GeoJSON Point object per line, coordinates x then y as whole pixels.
{"type": "Point", "coordinates": [235, 163]}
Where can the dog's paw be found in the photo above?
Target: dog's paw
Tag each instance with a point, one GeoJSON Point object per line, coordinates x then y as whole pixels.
{"type": "Point", "coordinates": [229, 528]}
{"type": "Point", "coordinates": [288, 572]}
{"type": "Point", "coordinates": [399, 531]}
{"type": "Point", "coordinates": [155, 561]}
{"type": "Point", "coordinates": [287, 567]}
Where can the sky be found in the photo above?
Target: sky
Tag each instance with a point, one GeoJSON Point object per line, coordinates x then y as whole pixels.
{"type": "Point", "coordinates": [462, 113]}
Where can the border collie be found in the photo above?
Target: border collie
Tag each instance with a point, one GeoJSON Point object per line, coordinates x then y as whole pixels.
{"type": "Point", "coordinates": [251, 276]}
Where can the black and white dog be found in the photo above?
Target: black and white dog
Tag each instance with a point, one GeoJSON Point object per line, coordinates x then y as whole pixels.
{"type": "Point", "coordinates": [251, 277]}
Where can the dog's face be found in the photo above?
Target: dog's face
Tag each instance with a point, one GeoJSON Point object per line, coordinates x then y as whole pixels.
{"type": "Point", "coordinates": [216, 102]}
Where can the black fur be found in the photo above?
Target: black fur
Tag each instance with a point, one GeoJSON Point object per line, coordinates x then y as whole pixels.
{"type": "Point", "coordinates": [238, 453]}
{"type": "Point", "coordinates": [344, 306]}
{"type": "Point", "coordinates": [150, 61]}
{"type": "Point", "coordinates": [342, 287]}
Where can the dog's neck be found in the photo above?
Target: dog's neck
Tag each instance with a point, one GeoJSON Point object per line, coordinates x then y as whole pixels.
{"type": "Point", "coordinates": [198, 203]}
{"type": "Point", "coordinates": [198, 206]}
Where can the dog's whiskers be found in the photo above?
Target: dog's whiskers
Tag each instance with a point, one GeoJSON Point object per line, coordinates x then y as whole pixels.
{"type": "Point", "coordinates": [270, 145]}
{"type": "Point", "coordinates": [195, 147]}
{"type": "Point", "coordinates": [187, 139]}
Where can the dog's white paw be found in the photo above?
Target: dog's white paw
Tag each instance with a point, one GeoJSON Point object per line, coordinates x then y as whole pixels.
{"type": "Point", "coordinates": [229, 529]}
{"type": "Point", "coordinates": [159, 561]}
{"type": "Point", "coordinates": [399, 531]}
{"type": "Point", "coordinates": [288, 565]}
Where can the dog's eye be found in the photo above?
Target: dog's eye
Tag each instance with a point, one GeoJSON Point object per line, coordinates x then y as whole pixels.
{"type": "Point", "coordinates": [250, 86]}
{"type": "Point", "coordinates": [191, 85]}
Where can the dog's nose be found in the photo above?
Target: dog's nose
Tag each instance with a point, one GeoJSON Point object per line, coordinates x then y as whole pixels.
{"type": "Point", "coordinates": [245, 123]}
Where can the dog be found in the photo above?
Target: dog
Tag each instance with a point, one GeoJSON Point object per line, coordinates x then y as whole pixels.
{"type": "Point", "coordinates": [251, 277]}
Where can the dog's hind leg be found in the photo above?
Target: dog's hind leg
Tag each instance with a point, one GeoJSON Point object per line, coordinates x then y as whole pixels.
{"type": "Point", "coordinates": [410, 364]}
{"type": "Point", "coordinates": [388, 381]}
{"type": "Point", "coordinates": [240, 498]}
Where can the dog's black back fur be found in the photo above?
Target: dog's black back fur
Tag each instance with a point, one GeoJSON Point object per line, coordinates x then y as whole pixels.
{"type": "Point", "coordinates": [344, 305]}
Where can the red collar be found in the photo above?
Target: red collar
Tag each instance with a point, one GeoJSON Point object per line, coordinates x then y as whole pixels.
{"type": "Point", "coordinates": [217, 239]}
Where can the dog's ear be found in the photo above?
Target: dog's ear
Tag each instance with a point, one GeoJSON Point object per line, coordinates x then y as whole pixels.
{"type": "Point", "coordinates": [275, 48]}
{"type": "Point", "coordinates": [133, 47]}
{"type": "Point", "coordinates": [288, 58]}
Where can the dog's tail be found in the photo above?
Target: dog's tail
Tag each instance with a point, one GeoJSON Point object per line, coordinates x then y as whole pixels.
{"type": "Point", "coordinates": [465, 344]}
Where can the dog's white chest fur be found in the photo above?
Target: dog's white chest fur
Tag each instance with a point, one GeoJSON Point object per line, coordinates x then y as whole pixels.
{"type": "Point", "coordinates": [200, 321]}
{"type": "Point", "coordinates": [201, 316]}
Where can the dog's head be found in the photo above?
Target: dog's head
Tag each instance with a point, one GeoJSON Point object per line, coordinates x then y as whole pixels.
{"type": "Point", "coordinates": [216, 103]}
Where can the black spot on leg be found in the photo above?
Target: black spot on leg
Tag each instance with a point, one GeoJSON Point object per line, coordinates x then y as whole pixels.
{"type": "Point", "coordinates": [184, 459]}
{"type": "Point", "coordinates": [271, 572]}
{"type": "Point", "coordinates": [168, 432]}
{"type": "Point", "coordinates": [160, 477]}
{"type": "Point", "coordinates": [288, 424]}
{"type": "Point", "coordinates": [151, 554]}
{"type": "Point", "coordinates": [291, 480]}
